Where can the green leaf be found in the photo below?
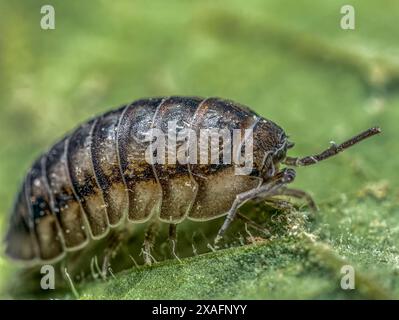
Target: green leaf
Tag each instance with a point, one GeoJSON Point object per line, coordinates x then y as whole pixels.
{"type": "Point", "coordinates": [292, 63]}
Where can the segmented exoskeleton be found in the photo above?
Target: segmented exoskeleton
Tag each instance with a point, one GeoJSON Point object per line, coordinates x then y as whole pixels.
{"type": "Point", "coordinates": [97, 177]}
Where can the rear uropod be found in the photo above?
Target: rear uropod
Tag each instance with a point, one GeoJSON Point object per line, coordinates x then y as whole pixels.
{"type": "Point", "coordinates": [100, 177]}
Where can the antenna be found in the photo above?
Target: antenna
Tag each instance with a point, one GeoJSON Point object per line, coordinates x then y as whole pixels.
{"type": "Point", "coordinates": [332, 150]}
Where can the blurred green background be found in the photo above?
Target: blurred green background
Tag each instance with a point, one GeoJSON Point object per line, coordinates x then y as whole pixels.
{"type": "Point", "coordinates": [288, 60]}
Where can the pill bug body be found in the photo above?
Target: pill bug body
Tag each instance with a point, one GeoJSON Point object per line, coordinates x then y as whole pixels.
{"type": "Point", "coordinates": [97, 177]}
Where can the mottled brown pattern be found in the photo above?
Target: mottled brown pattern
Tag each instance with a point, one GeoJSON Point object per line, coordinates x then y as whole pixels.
{"type": "Point", "coordinates": [106, 165]}
{"type": "Point", "coordinates": [82, 175]}
{"type": "Point", "coordinates": [179, 188]}
{"type": "Point", "coordinates": [219, 182]}
{"type": "Point", "coordinates": [65, 205]}
{"type": "Point", "coordinates": [89, 181]}
{"type": "Point", "coordinates": [145, 194]}
{"type": "Point", "coordinates": [47, 228]}
{"type": "Point", "coordinates": [21, 241]}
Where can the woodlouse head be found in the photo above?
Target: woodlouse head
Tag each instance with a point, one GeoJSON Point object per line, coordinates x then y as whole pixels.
{"type": "Point", "coordinates": [271, 145]}
{"type": "Point", "coordinates": [270, 148]}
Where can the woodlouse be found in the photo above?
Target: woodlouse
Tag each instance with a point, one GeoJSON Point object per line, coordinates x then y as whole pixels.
{"type": "Point", "coordinates": [96, 177]}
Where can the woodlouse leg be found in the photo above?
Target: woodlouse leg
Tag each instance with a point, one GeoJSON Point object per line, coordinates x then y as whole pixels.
{"type": "Point", "coordinates": [173, 239]}
{"type": "Point", "coordinates": [296, 193]}
{"type": "Point", "coordinates": [172, 232]}
{"type": "Point", "coordinates": [149, 240]}
{"type": "Point", "coordinates": [280, 179]}
{"type": "Point", "coordinates": [279, 204]}
{"type": "Point", "coordinates": [299, 194]}
{"type": "Point", "coordinates": [253, 224]}
{"type": "Point", "coordinates": [274, 202]}
{"type": "Point", "coordinates": [116, 239]}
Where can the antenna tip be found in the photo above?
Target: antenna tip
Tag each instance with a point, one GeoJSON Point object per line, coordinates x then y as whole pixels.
{"type": "Point", "coordinates": [376, 130]}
